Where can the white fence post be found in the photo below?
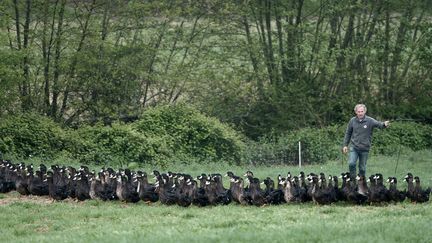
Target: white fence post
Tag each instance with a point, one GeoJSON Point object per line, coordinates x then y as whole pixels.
{"type": "Point", "coordinates": [299, 146]}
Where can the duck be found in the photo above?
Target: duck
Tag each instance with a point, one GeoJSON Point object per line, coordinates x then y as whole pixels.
{"type": "Point", "coordinates": [256, 193]}
{"type": "Point", "coordinates": [420, 195]}
{"type": "Point", "coordinates": [10, 176]}
{"type": "Point", "coordinates": [147, 191]}
{"type": "Point", "coordinates": [394, 194]}
{"type": "Point", "coordinates": [344, 187]}
{"type": "Point", "coordinates": [21, 181]}
{"type": "Point", "coordinates": [97, 188]}
{"type": "Point", "coordinates": [339, 194]}
{"type": "Point", "coordinates": [320, 195]}
{"type": "Point", "coordinates": [185, 193]}
{"type": "Point", "coordinates": [380, 187]}
{"type": "Point", "coordinates": [110, 184]}
{"type": "Point", "coordinates": [125, 191]}
{"type": "Point", "coordinates": [409, 178]}
{"type": "Point", "coordinates": [82, 186]}
{"type": "Point", "coordinates": [331, 189]}
{"type": "Point", "coordinates": [304, 186]}
{"type": "Point", "coordinates": [273, 196]}
{"type": "Point", "coordinates": [300, 190]}
{"type": "Point", "coordinates": [224, 195]}
{"type": "Point", "coordinates": [351, 191]}
{"type": "Point", "coordinates": [167, 194]}
{"type": "Point", "coordinates": [239, 194]}
{"type": "Point", "coordinates": [37, 184]}
{"type": "Point", "coordinates": [3, 186]}
{"type": "Point", "coordinates": [199, 198]}
{"type": "Point", "coordinates": [290, 191]}
{"type": "Point", "coordinates": [280, 182]}
{"type": "Point", "coordinates": [363, 188]}
{"type": "Point", "coordinates": [210, 191]}
{"type": "Point", "coordinates": [71, 171]}
{"type": "Point", "coordinates": [58, 189]}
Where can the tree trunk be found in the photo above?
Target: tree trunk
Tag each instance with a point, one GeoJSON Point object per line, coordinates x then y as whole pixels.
{"type": "Point", "coordinates": [26, 94]}
{"type": "Point", "coordinates": [71, 73]}
{"type": "Point", "coordinates": [58, 42]}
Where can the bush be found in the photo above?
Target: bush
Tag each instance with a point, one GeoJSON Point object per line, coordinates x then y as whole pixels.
{"type": "Point", "coordinates": [414, 136]}
{"type": "Point", "coordinates": [189, 133]}
{"type": "Point", "coordinates": [180, 134]}
{"type": "Point", "coordinates": [317, 146]}
{"type": "Point", "coordinates": [118, 145]}
{"type": "Point", "coordinates": [320, 145]}
{"type": "Point", "coordinates": [27, 135]}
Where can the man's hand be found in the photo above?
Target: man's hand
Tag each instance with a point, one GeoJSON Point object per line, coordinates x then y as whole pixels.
{"type": "Point", "coordinates": [345, 149]}
{"type": "Point", "coordinates": [387, 123]}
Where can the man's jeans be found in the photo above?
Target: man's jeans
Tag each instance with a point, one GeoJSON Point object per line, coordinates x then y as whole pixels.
{"type": "Point", "coordinates": [362, 156]}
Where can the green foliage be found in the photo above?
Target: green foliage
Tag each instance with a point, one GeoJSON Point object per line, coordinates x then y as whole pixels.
{"type": "Point", "coordinates": [167, 135]}
{"type": "Point", "coordinates": [164, 135]}
{"type": "Point", "coordinates": [406, 134]}
{"type": "Point", "coordinates": [30, 135]}
{"type": "Point", "coordinates": [189, 133]}
{"type": "Point", "coordinates": [117, 144]}
{"type": "Point", "coordinates": [321, 145]}
{"type": "Point", "coordinates": [317, 146]}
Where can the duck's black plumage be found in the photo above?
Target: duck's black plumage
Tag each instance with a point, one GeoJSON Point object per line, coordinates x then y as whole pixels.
{"type": "Point", "coordinates": [147, 191]}
{"type": "Point", "coordinates": [185, 194]}
{"type": "Point", "coordinates": [82, 189]}
{"type": "Point", "coordinates": [290, 191]}
{"type": "Point", "coordinates": [378, 192]}
{"type": "Point", "coordinates": [10, 176]}
{"type": "Point", "coordinates": [394, 194]}
{"type": "Point", "coordinates": [363, 188]}
{"type": "Point", "coordinates": [420, 195]}
{"type": "Point", "coordinates": [320, 195]}
{"type": "Point", "coordinates": [199, 198]}
{"type": "Point", "coordinates": [351, 191]}
{"type": "Point", "coordinates": [37, 184]}
{"type": "Point", "coordinates": [57, 187]}
{"type": "Point", "coordinates": [256, 193]}
{"type": "Point", "coordinates": [273, 196]}
{"type": "Point", "coordinates": [167, 195]}
{"type": "Point", "coordinates": [239, 194]}
{"type": "Point", "coordinates": [125, 191]}
{"type": "Point", "coordinates": [97, 187]}
{"type": "Point", "coordinates": [70, 172]}
{"type": "Point", "coordinates": [409, 178]}
{"type": "Point", "coordinates": [304, 188]}
{"type": "Point", "coordinates": [223, 195]}
{"type": "Point", "coordinates": [21, 181]}
{"type": "Point", "coordinates": [110, 184]}
{"type": "Point", "coordinates": [339, 194]}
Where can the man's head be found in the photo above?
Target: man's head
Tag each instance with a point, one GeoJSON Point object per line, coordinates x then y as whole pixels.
{"type": "Point", "coordinates": [360, 110]}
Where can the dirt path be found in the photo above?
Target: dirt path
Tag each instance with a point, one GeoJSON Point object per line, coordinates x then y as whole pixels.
{"type": "Point", "coordinates": [12, 197]}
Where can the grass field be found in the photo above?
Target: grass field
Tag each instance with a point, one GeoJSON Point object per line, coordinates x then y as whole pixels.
{"type": "Point", "coordinates": [38, 219]}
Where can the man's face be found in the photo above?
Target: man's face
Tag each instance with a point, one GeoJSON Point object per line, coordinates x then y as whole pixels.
{"type": "Point", "coordinates": [360, 112]}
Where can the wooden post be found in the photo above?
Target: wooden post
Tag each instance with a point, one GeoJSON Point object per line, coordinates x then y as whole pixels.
{"type": "Point", "coordinates": [299, 149]}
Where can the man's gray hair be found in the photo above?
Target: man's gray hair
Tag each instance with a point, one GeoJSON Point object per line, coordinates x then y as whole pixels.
{"type": "Point", "coordinates": [358, 106]}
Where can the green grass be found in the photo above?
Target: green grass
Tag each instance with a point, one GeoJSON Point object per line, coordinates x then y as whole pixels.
{"type": "Point", "coordinates": [32, 219]}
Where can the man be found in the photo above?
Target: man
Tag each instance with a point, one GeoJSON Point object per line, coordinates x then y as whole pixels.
{"type": "Point", "coordinates": [359, 135]}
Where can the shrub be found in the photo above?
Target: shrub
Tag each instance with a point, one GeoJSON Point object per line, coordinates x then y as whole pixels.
{"type": "Point", "coordinates": [189, 133]}
{"type": "Point", "coordinates": [27, 135]}
{"type": "Point", "coordinates": [117, 144]}
{"type": "Point", "coordinates": [411, 135]}
{"type": "Point", "coordinates": [320, 145]}
{"type": "Point", "coordinates": [317, 146]}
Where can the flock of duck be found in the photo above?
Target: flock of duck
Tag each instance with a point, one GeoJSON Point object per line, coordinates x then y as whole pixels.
{"type": "Point", "coordinates": [60, 182]}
